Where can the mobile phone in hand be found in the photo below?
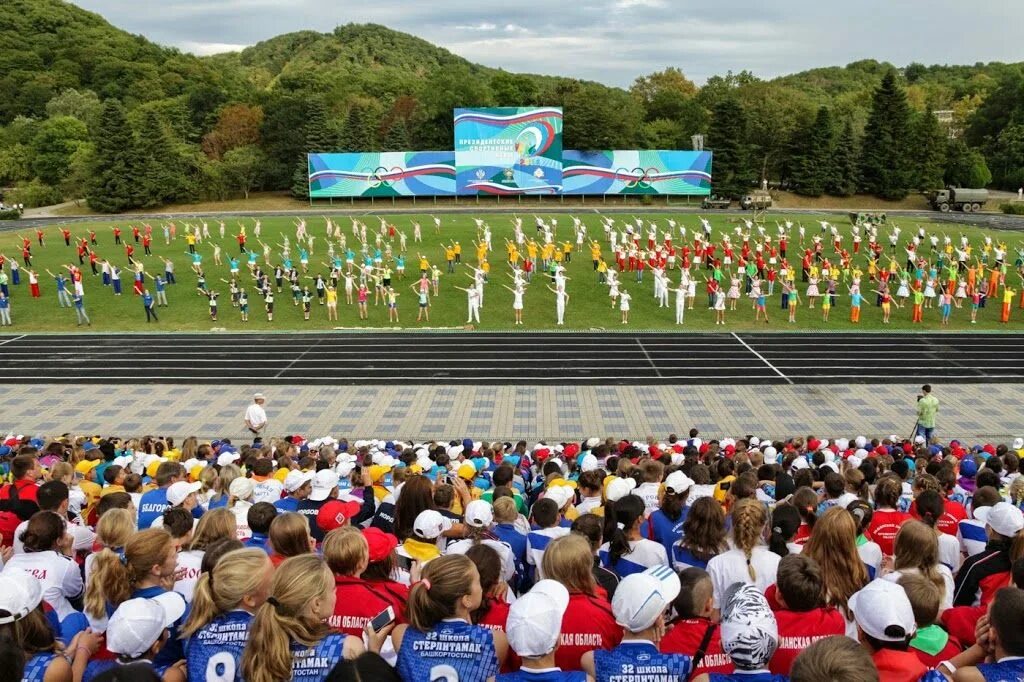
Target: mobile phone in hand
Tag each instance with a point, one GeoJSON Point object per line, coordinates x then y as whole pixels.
{"type": "Point", "coordinates": [383, 619]}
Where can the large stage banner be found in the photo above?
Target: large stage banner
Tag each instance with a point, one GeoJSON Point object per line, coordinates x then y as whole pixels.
{"type": "Point", "coordinates": [637, 172]}
{"type": "Point", "coordinates": [382, 174]}
{"type": "Point", "coordinates": [508, 151]}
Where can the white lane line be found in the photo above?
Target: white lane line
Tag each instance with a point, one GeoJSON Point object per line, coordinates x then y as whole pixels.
{"type": "Point", "coordinates": [292, 363]}
{"type": "Point", "coordinates": [761, 357]}
{"type": "Point", "coordinates": [4, 343]}
{"type": "Point", "coordinates": [648, 356]}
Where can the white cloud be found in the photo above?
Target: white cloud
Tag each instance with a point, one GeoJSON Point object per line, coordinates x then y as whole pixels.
{"type": "Point", "coordinates": [207, 49]}
{"type": "Point", "coordinates": [483, 26]}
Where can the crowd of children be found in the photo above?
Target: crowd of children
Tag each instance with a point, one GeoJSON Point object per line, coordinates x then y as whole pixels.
{"type": "Point", "coordinates": [712, 560]}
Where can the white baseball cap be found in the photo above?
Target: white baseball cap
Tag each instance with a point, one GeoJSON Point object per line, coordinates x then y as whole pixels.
{"type": "Point", "coordinates": [258, 396]}
{"type": "Point", "coordinates": [588, 463]}
{"type": "Point", "coordinates": [178, 492]}
{"type": "Point", "coordinates": [1003, 518]}
{"type": "Point", "coordinates": [225, 458]}
{"type": "Point", "coordinates": [619, 488]}
{"type": "Point", "coordinates": [20, 594]}
{"type": "Point", "coordinates": [479, 514]}
{"type": "Point", "coordinates": [561, 494]}
{"type": "Point", "coordinates": [771, 455]}
{"type": "Point", "coordinates": [1018, 443]}
{"type": "Point", "coordinates": [642, 597]}
{"type": "Point", "coordinates": [677, 482]}
{"type": "Point", "coordinates": [324, 482]}
{"type": "Point", "coordinates": [429, 524]}
{"type": "Point", "coordinates": [534, 621]}
{"type": "Point", "coordinates": [296, 479]}
{"type": "Point", "coordinates": [241, 488]}
{"type": "Point", "coordinates": [883, 611]}
{"type": "Point", "coordinates": [137, 624]}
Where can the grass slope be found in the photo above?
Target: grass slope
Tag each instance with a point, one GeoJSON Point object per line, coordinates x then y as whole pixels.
{"type": "Point", "coordinates": [589, 307]}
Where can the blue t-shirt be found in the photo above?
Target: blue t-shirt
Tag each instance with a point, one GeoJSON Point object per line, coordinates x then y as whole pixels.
{"type": "Point", "coordinates": [151, 506]}
{"type": "Point", "coordinates": [639, 661]}
{"type": "Point", "coordinates": [314, 664]}
{"type": "Point", "coordinates": [662, 529]}
{"type": "Point", "coordinates": [683, 558]}
{"type": "Point", "coordinates": [35, 668]}
{"type": "Point", "coordinates": [1005, 671]}
{"type": "Point", "coordinates": [453, 650]}
{"type": "Point", "coordinates": [287, 504]}
{"type": "Point", "coordinates": [546, 675]}
{"type": "Point", "coordinates": [214, 653]}
{"type": "Point", "coordinates": [173, 649]}
{"type": "Point", "coordinates": [258, 541]}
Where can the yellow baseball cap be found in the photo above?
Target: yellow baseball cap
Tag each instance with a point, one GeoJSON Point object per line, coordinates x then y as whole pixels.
{"type": "Point", "coordinates": [86, 465]}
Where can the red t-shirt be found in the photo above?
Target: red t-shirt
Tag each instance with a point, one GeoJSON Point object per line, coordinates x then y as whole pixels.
{"type": "Point", "coordinates": [495, 619]}
{"type": "Point", "coordinates": [884, 526]}
{"type": "Point", "coordinates": [898, 666]}
{"type": "Point", "coordinates": [685, 637]}
{"type": "Point", "coordinates": [26, 490]}
{"type": "Point", "coordinates": [803, 534]}
{"type": "Point", "coordinates": [800, 629]}
{"type": "Point", "coordinates": [953, 513]}
{"type": "Point", "coordinates": [960, 621]}
{"type": "Point", "coordinates": [588, 624]}
{"type": "Point", "coordinates": [358, 603]}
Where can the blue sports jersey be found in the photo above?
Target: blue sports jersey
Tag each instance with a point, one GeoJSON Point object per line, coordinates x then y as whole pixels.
{"type": "Point", "coordinates": [35, 668]}
{"type": "Point", "coordinates": [661, 528]}
{"type": "Point", "coordinates": [287, 504]}
{"type": "Point", "coordinates": [314, 664]}
{"type": "Point", "coordinates": [453, 650]}
{"type": "Point", "coordinates": [640, 661]}
{"type": "Point", "coordinates": [546, 675]}
{"type": "Point", "coordinates": [1006, 671]}
{"type": "Point", "coordinates": [214, 653]}
{"type": "Point", "coordinates": [151, 506]}
{"type": "Point", "coordinates": [683, 559]}
{"type": "Point", "coordinates": [747, 677]}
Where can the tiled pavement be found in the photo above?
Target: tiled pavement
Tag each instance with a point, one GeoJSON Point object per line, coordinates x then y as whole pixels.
{"type": "Point", "coordinates": [511, 412]}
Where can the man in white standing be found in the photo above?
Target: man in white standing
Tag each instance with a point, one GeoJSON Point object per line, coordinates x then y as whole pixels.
{"type": "Point", "coordinates": [256, 416]}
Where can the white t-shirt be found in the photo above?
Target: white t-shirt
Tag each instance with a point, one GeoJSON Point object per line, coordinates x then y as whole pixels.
{"type": "Point", "coordinates": [588, 504]}
{"type": "Point", "coordinates": [648, 492]}
{"type": "Point", "coordinates": [508, 561]}
{"type": "Point", "coordinates": [643, 554]}
{"type": "Point", "coordinates": [256, 415]}
{"type": "Point", "coordinates": [949, 551]}
{"type": "Point", "coordinates": [189, 563]}
{"type": "Point", "coordinates": [58, 575]}
{"type": "Point", "coordinates": [731, 567]}
{"type": "Point", "coordinates": [267, 491]}
{"type": "Point", "coordinates": [947, 578]}
{"type": "Point", "coordinates": [241, 512]}
{"type": "Point", "coordinates": [82, 535]}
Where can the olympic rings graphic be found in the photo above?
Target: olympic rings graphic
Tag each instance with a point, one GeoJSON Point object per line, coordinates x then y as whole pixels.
{"type": "Point", "coordinates": [379, 176]}
{"type": "Point", "coordinates": [638, 178]}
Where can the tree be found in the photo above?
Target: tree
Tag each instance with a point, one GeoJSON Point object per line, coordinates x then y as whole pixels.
{"type": "Point", "coordinates": [927, 151]}
{"type": "Point", "coordinates": [663, 134]}
{"type": "Point", "coordinates": [79, 172]}
{"type": "Point", "coordinates": [727, 139]}
{"type": "Point", "coordinates": [514, 90]}
{"type": "Point", "coordinates": [244, 167]}
{"type": "Point", "coordinates": [663, 94]}
{"type": "Point", "coordinates": [601, 118]}
{"type": "Point", "coordinates": [318, 140]}
{"type": "Point", "coordinates": [83, 105]}
{"type": "Point", "coordinates": [238, 125]}
{"type": "Point", "coordinates": [1002, 107]}
{"type": "Point", "coordinates": [283, 133]}
{"type": "Point", "coordinates": [397, 137]}
{"type": "Point", "coordinates": [885, 164]}
{"type": "Point", "coordinates": [965, 167]}
{"type": "Point", "coordinates": [53, 145]}
{"type": "Point", "coordinates": [812, 170]}
{"type": "Point", "coordinates": [113, 188]}
{"type": "Point", "coordinates": [1007, 156]}
{"type": "Point", "coordinates": [842, 177]}
{"type": "Point", "coordinates": [161, 177]}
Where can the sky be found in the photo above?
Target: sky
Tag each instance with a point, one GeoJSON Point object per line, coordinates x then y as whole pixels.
{"type": "Point", "coordinates": [614, 41]}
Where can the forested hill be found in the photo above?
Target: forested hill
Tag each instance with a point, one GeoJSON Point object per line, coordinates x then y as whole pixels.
{"type": "Point", "coordinates": [215, 126]}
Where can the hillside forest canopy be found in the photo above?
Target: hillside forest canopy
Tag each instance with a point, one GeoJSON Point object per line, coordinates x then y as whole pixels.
{"type": "Point", "coordinates": [94, 112]}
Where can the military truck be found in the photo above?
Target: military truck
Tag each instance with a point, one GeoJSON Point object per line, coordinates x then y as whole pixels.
{"type": "Point", "coordinates": [757, 200]}
{"type": "Point", "coordinates": [960, 198]}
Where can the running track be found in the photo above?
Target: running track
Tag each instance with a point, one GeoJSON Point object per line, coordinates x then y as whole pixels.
{"type": "Point", "coordinates": [540, 359]}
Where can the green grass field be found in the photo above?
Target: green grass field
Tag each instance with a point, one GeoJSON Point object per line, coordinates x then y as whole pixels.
{"type": "Point", "coordinates": [589, 306]}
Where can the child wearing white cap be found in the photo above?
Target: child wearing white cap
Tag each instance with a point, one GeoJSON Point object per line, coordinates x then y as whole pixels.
{"type": "Point", "coordinates": [138, 631]}
{"type": "Point", "coordinates": [639, 606]}
{"type": "Point", "coordinates": [885, 625]}
{"type": "Point", "coordinates": [534, 628]}
{"type": "Point", "coordinates": [21, 597]}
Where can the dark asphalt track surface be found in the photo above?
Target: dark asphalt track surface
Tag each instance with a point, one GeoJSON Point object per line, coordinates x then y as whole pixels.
{"type": "Point", "coordinates": [343, 358]}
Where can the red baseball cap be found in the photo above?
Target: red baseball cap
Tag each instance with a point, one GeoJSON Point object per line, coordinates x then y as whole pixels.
{"type": "Point", "coordinates": [335, 513]}
{"type": "Point", "coordinates": [381, 543]}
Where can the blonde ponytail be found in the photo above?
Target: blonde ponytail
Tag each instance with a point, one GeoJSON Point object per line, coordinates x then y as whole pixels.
{"type": "Point", "coordinates": [114, 574]}
{"type": "Point", "coordinates": [222, 589]}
